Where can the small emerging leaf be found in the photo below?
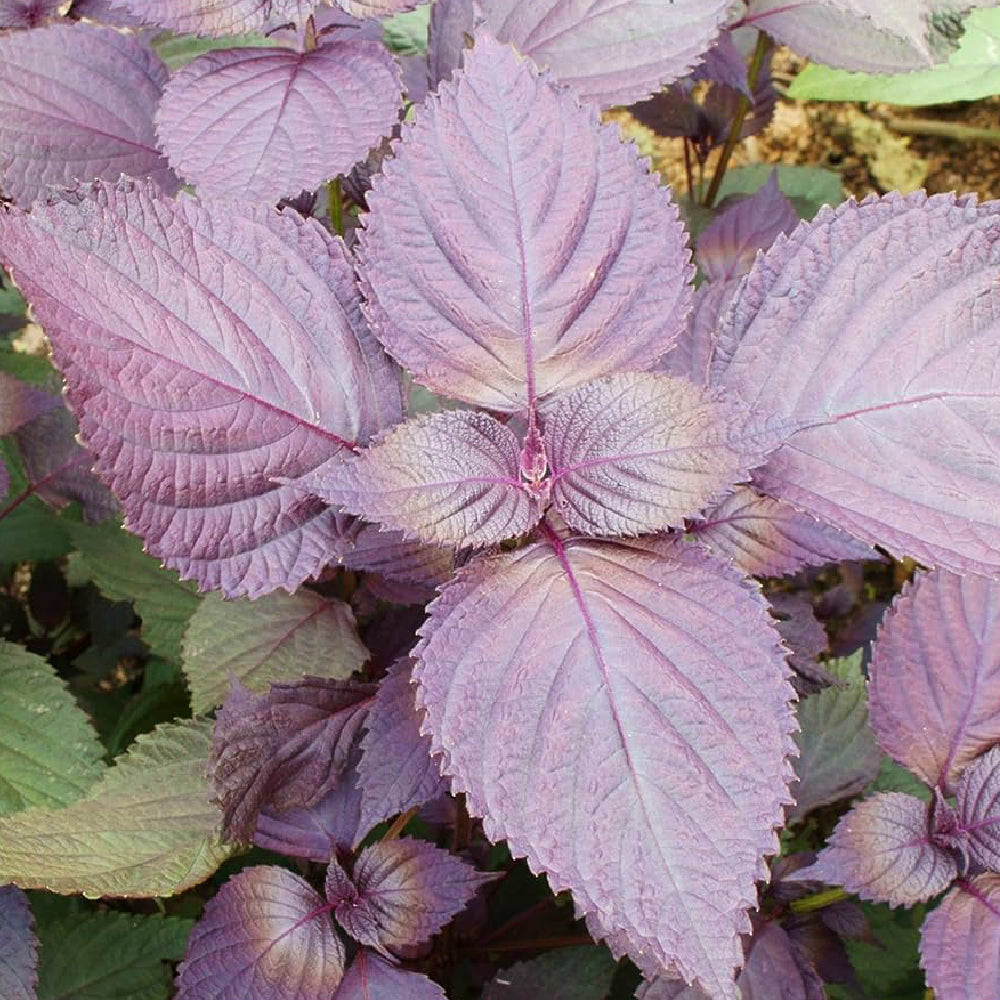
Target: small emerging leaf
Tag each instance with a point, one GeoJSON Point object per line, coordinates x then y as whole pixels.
{"type": "Point", "coordinates": [372, 978]}
{"type": "Point", "coordinates": [883, 851]}
{"type": "Point", "coordinates": [265, 935]}
{"type": "Point", "coordinates": [637, 453]}
{"type": "Point", "coordinates": [450, 478]}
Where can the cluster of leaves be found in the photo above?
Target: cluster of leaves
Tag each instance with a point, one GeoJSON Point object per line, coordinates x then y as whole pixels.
{"type": "Point", "coordinates": [516, 584]}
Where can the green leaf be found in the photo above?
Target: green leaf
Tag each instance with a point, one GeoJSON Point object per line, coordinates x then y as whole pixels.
{"type": "Point", "coordinates": [406, 33]}
{"type": "Point", "coordinates": [890, 969]}
{"type": "Point", "coordinates": [838, 754]}
{"type": "Point", "coordinates": [972, 72]}
{"type": "Point", "coordinates": [146, 829]}
{"type": "Point", "coordinates": [154, 704]}
{"type": "Point", "coordinates": [49, 753]}
{"type": "Point", "coordinates": [583, 973]}
{"type": "Point", "coordinates": [123, 572]}
{"type": "Point", "coordinates": [32, 532]}
{"type": "Point", "coordinates": [279, 637]}
{"type": "Point", "coordinates": [110, 956]}
{"type": "Point", "coordinates": [809, 188]}
{"type": "Point", "coordinates": [30, 368]}
{"type": "Point", "coordinates": [893, 777]}
{"type": "Point", "coordinates": [178, 50]}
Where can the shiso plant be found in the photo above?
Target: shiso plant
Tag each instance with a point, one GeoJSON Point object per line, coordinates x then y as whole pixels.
{"type": "Point", "coordinates": [467, 489]}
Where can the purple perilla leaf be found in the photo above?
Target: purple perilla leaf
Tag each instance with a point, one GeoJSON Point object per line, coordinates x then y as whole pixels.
{"type": "Point", "coordinates": [265, 935]}
{"type": "Point", "coordinates": [377, 8]}
{"type": "Point", "coordinates": [765, 537]}
{"type": "Point", "coordinates": [724, 63]}
{"type": "Point", "coordinates": [838, 755]}
{"type": "Point", "coordinates": [330, 827]}
{"type": "Point", "coordinates": [729, 245]}
{"type": "Point", "coordinates": [401, 893]}
{"type": "Point", "coordinates": [218, 17]}
{"type": "Point", "coordinates": [18, 946]}
{"type": "Point", "coordinates": [27, 13]}
{"type": "Point", "coordinates": [372, 978]}
{"type": "Point", "coordinates": [398, 558]}
{"type": "Point", "coordinates": [571, 688]}
{"type": "Point", "coordinates": [691, 355]}
{"type": "Point", "coordinates": [935, 675]}
{"type": "Point", "coordinates": [448, 478]}
{"type": "Point", "coordinates": [610, 51]}
{"type": "Point", "coordinates": [960, 941]}
{"type": "Point", "coordinates": [883, 850]}
{"type": "Point", "coordinates": [207, 351]}
{"type": "Point", "coordinates": [396, 771]}
{"type": "Point", "coordinates": [515, 247]}
{"type": "Point", "coordinates": [876, 326]}
{"type": "Point", "coordinates": [639, 452]}
{"type": "Point", "coordinates": [77, 103]}
{"type": "Point", "coordinates": [870, 36]}
{"type": "Point", "coordinates": [263, 123]}
{"type": "Point", "coordinates": [978, 807]}
{"type": "Point", "coordinates": [59, 469]}
{"type": "Point", "coordinates": [285, 749]}
{"type": "Point", "coordinates": [21, 403]}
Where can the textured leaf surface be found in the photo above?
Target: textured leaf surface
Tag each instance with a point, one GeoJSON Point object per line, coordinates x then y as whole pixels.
{"type": "Point", "coordinates": [218, 17]}
{"type": "Point", "coordinates": [978, 808]}
{"type": "Point", "coordinates": [397, 771]}
{"type": "Point", "coordinates": [60, 469]}
{"type": "Point", "coordinates": [728, 246]}
{"type": "Point", "coordinates": [372, 978]}
{"type": "Point", "coordinates": [403, 893]}
{"type": "Point", "coordinates": [691, 355]}
{"type": "Point", "coordinates": [207, 351]}
{"type": "Point", "coordinates": [882, 850]}
{"type": "Point", "coordinates": [598, 707]}
{"type": "Point", "coordinates": [146, 829]}
{"type": "Point", "coordinates": [637, 453]}
{"type": "Point", "coordinates": [77, 103]}
{"type": "Point", "coordinates": [123, 572]}
{"type": "Point", "coordinates": [766, 537]}
{"type": "Point", "coordinates": [106, 12]}
{"type": "Point", "coordinates": [960, 941]}
{"type": "Point", "coordinates": [333, 825]}
{"type": "Point", "coordinates": [611, 51]}
{"type": "Point", "coordinates": [447, 478]}
{"type": "Point", "coordinates": [268, 123]}
{"type": "Point", "coordinates": [935, 675]}
{"type": "Point", "coordinates": [564, 974]}
{"type": "Point", "coordinates": [515, 247]}
{"type": "Point", "coordinates": [277, 638]}
{"type": "Point", "coordinates": [873, 36]}
{"type": "Point", "coordinates": [286, 748]}
{"type": "Point", "coordinates": [109, 956]}
{"type": "Point", "coordinates": [452, 24]}
{"type": "Point", "coordinates": [266, 934]}
{"type": "Point", "coordinates": [18, 946]}
{"type": "Point", "coordinates": [49, 753]}
{"type": "Point", "coordinates": [27, 13]}
{"type": "Point", "coordinates": [879, 325]}
{"type": "Point", "coordinates": [838, 755]}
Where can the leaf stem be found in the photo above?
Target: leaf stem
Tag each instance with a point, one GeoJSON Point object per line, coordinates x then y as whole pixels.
{"type": "Point", "coordinates": [335, 209]}
{"type": "Point", "coordinates": [944, 130]}
{"type": "Point", "coordinates": [736, 126]}
{"type": "Point", "coordinates": [399, 823]}
{"type": "Point", "coordinates": [817, 901]}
